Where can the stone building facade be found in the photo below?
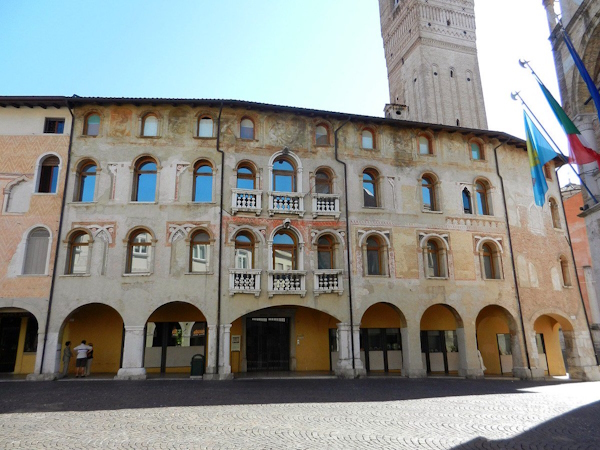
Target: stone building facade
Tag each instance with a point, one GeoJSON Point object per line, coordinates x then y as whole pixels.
{"type": "Point", "coordinates": [581, 20]}
{"type": "Point", "coordinates": [225, 229]}
{"type": "Point", "coordinates": [34, 143]}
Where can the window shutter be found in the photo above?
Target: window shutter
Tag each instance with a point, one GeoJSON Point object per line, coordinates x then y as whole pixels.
{"type": "Point", "coordinates": [37, 252]}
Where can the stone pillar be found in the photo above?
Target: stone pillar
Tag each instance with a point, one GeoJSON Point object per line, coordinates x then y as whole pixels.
{"type": "Point", "coordinates": [51, 366]}
{"type": "Point", "coordinates": [580, 356]}
{"type": "Point", "coordinates": [550, 14]}
{"type": "Point", "coordinates": [133, 355]}
{"type": "Point", "coordinates": [520, 369]}
{"type": "Point", "coordinates": [537, 372]}
{"type": "Point", "coordinates": [470, 366]}
{"type": "Point", "coordinates": [344, 368]}
{"type": "Point", "coordinates": [225, 353]}
{"type": "Point", "coordinates": [359, 368]}
{"type": "Point", "coordinates": [211, 364]}
{"type": "Point", "coordinates": [412, 361]}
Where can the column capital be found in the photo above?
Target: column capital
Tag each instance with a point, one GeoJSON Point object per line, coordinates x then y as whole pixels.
{"type": "Point", "coordinates": [134, 328]}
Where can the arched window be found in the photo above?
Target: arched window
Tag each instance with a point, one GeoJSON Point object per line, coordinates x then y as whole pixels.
{"type": "Point", "coordinates": [246, 129]}
{"type": "Point", "coordinates": [246, 178]}
{"type": "Point", "coordinates": [86, 182]}
{"type": "Point", "coordinates": [150, 125]}
{"type": "Point", "coordinates": [92, 125]}
{"type": "Point", "coordinates": [483, 198]}
{"type": "Point", "coordinates": [79, 246]}
{"type": "Point", "coordinates": [285, 251]}
{"type": "Point", "coordinates": [205, 127]}
{"type": "Point", "coordinates": [466, 198]}
{"type": "Point", "coordinates": [144, 187]}
{"type": "Point", "coordinates": [36, 253]}
{"type": "Point", "coordinates": [199, 252]}
{"type": "Point", "coordinates": [325, 249]}
{"type": "Point", "coordinates": [425, 147]}
{"type": "Point", "coordinates": [139, 252]}
{"type": "Point", "coordinates": [369, 184]}
{"type": "Point", "coordinates": [203, 182]}
{"type": "Point", "coordinates": [554, 213]}
{"type": "Point", "coordinates": [374, 256]}
{"type": "Point", "coordinates": [490, 258]}
{"type": "Point", "coordinates": [244, 250]}
{"type": "Point", "coordinates": [428, 193]}
{"type": "Point", "coordinates": [321, 135]}
{"type": "Point", "coordinates": [434, 262]}
{"type": "Point", "coordinates": [476, 152]}
{"type": "Point", "coordinates": [284, 176]}
{"type": "Point", "coordinates": [564, 269]}
{"type": "Point", "coordinates": [48, 175]}
{"type": "Point", "coordinates": [323, 182]}
{"type": "Point", "coordinates": [367, 139]}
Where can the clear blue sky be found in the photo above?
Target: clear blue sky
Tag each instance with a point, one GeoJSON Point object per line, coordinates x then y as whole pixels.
{"type": "Point", "coordinates": [321, 54]}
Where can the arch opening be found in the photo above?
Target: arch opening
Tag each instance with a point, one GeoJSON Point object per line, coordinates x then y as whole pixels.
{"type": "Point", "coordinates": [18, 338]}
{"type": "Point", "coordinates": [382, 330]}
{"type": "Point", "coordinates": [440, 349]}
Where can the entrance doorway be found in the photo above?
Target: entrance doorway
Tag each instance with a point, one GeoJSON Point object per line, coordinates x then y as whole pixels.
{"type": "Point", "coordinates": [173, 344]}
{"type": "Point", "coordinates": [267, 343]}
{"type": "Point", "coordinates": [10, 328]}
{"type": "Point", "coordinates": [440, 351]}
{"type": "Point", "coordinates": [382, 349]}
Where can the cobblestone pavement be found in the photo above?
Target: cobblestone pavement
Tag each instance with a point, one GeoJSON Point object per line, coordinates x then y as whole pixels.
{"type": "Point", "coordinates": [300, 414]}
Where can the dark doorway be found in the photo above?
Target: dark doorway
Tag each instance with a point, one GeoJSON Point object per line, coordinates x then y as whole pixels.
{"type": "Point", "coordinates": [440, 349]}
{"type": "Point", "coordinates": [382, 348]}
{"type": "Point", "coordinates": [268, 343]}
{"type": "Point", "coordinates": [10, 328]}
{"type": "Point", "coordinates": [171, 347]}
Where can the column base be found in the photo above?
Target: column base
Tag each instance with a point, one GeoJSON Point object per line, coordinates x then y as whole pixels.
{"type": "Point", "coordinates": [43, 376]}
{"type": "Point", "coordinates": [523, 373]}
{"type": "Point", "coordinates": [350, 374]}
{"type": "Point", "coordinates": [414, 373]}
{"type": "Point", "coordinates": [131, 374]}
{"type": "Point", "coordinates": [585, 373]}
{"type": "Point", "coordinates": [217, 376]}
{"type": "Point", "coordinates": [471, 374]}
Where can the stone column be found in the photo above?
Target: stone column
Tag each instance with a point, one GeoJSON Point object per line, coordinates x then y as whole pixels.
{"type": "Point", "coordinates": [470, 366]}
{"type": "Point", "coordinates": [580, 356]}
{"type": "Point", "coordinates": [412, 361]}
{"type": "Point", "coordinates": [133, 355]}
{"type": "Point", "coordinates": [225, 353]}
{"type": "Point", "coordinates": [359, 369]}
{"type": "Point", "coordinates": [211, 364]}
{"type": "Point", "coordinates": [550, 14]}
{"type": "Point", "coordinates": [344, 364]}
{"type": "Point", "coordinates": [51, 366]}
{"type": "Point", "coordinates": [537, 372]}
{"type": "Point", "coordinates": [520, 369]}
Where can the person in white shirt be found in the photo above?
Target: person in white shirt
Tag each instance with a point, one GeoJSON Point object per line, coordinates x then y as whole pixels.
{"type": "Point", "coordinates": [82, 352]}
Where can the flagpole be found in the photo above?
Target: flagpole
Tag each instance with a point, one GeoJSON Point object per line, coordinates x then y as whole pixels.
{"type": "Point", "coordinates": [516, 95]}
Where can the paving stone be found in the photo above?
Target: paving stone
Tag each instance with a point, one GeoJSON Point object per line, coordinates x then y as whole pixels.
{"type": "Point", "coordinates": [406, 415]}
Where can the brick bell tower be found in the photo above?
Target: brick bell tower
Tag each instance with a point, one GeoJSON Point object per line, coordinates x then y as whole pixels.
{"type": "Point", "coordinates": [431, 57]}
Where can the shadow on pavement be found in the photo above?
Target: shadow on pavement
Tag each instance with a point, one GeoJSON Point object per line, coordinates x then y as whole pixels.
{"type": "Point", "coordinates": [90, 395]}
{"type": "Point", "coordinates": [577, 429]}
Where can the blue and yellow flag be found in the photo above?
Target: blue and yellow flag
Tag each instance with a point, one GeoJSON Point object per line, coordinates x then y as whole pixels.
{"type": "Point", "coordinates": [540, 152]}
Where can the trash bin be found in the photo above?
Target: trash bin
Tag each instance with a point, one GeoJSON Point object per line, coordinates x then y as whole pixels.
{"type": "Point", "coordinates": [197, 365]}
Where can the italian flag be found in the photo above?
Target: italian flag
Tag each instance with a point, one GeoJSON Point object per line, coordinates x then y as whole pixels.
{"type": "Point", "coordinates": [581, 152]}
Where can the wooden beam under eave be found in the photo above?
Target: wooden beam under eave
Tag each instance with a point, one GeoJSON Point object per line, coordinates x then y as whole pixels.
{"type": "Point", "coordinates": [14, 105]}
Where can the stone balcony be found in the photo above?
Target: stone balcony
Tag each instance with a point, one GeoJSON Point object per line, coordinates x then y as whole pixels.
{"type": "Point", "coordinates": [246, 200]}
{"type": "Point", "coordinates": [326, 205]}
{"type": "Point", "coordinates": [286, 203]}
{"type": "Point", "coordinates": [244, 281]}
{"type": "Point", "coordinates": [328, 281]}
{"type": "Point", "coordinates": [286, 282]}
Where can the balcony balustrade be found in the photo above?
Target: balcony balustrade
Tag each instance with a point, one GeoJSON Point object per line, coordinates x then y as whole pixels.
{"type": "Point", "coordinates": [328, 281]}
{"type": "Point", "coordinates": [286, 203]}
{"type": "Point", "coordinates": [287, 282]}
{"type": "Point", "coordinates": [326, 205]}
{"type": "Point", "coordinates": [246, 200]}
{"type": "Point", "coordinates": [244, 281]}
